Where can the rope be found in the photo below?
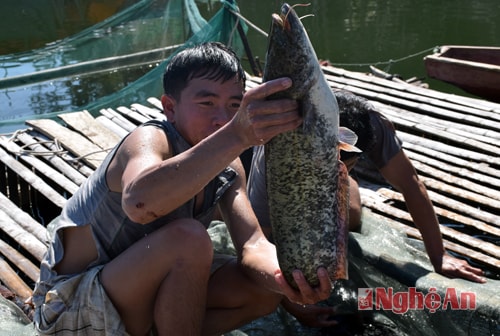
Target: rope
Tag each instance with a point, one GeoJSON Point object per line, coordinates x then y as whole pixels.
{"type": "Point", "coordinates": [248, 22]}
{"type": "Point", "coordinates": [59, 151]}
{"type": "Point", "coordinates": [389, 62]}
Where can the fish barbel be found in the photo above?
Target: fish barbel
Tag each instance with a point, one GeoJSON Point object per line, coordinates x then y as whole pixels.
{"type": "Point", "coordinates": [307, 184]}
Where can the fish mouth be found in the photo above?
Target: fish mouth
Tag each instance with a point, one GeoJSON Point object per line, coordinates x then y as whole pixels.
{"type": "Point", "coordinates": [278, 20]}
{"type": "Point", "coordinates": [285, 18]}
{"type": "Point", "coordinates": [290, 53]}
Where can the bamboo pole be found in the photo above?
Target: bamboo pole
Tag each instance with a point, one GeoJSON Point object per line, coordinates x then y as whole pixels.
{"type": "Point", "coordinates": [136, 117]}
{"type": "Point", "coordinates": [453, 216]}
{"type": "Point", "coordinates": [414, 93]}
{"type": "Point", "coordinates": [69, 158]}
{"type": "Point", "coordinates": [414, 233]}
{"type": "Point", "coordinates": [40, 166]}
{"type": "Point", "coordinates": [121, 132]}
{"type": "Point", "coordinates": [461, 167]}
{"type": "Point", "coordinates": [478, 244]}
{"type": "Point", "coordinates": [74, 142]}
{"type": "Point", "coordinates": [427, 148]}
{"type": "Point", "coordinates": [23, 219]}
{"type": "Point", "coordinates": [24, 238]}
{"type": "Point", "coordinates": [21, 262]}
{"type": "Point", "coordinates": [149, 112]}
{"type": "Point", "coordinates": [32, 179]}
{"type": "Point", "coordinates": [13, 282]}
{"type": "Point", "coordinates": [52, 157]}
{"type": "Point", "coordinates": [118, 119]}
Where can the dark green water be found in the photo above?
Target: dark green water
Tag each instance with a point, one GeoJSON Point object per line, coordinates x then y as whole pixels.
{"type": "Point", "coordinates": [356, 33]}
{"type": "Point", "coordinates": [394, 35]}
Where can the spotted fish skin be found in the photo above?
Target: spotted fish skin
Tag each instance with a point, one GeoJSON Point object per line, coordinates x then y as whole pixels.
{"type": "Point", "coordinates": [307, 185]}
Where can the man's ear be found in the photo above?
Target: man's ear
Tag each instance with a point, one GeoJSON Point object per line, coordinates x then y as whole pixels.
{"type": "Point", "coordinates": [168, 103]}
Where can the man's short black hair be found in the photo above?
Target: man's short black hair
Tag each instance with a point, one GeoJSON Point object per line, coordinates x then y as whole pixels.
{"type": "Point", "coordinates": [355, 115]}
{"type": "Point", "coordinates": [210, 60]}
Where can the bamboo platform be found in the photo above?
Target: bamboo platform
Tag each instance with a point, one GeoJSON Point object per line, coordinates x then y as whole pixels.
{"type": "Point", "coordinates": [453, 142]}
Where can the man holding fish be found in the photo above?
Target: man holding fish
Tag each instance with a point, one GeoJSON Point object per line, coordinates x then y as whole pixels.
{"type": "Point", "coordinates": [130, 254]}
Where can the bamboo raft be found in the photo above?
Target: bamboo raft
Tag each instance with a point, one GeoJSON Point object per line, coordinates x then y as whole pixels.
{"type": "Point", "coordinates": [453, 142]}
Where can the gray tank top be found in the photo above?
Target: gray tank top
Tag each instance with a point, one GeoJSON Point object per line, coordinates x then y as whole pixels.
{"type": "Point", "coordinates": [113, 231]}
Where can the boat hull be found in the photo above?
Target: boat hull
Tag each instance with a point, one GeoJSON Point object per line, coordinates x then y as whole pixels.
{"type": "Point", "coordinates": [476, 70]}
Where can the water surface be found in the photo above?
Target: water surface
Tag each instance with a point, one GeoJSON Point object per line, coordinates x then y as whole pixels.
{"type": "Point", "coordinates": [394, 35]}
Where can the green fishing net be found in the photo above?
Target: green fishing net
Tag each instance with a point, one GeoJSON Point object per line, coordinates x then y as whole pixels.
{"type": "Point", "coordinates": [222, 27]}
{"type": "Point", "coordinates": [99, 66]}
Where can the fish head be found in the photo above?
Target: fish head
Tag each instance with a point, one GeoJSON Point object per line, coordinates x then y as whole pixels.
{"type": "Point", "coordinates": [290, 54]}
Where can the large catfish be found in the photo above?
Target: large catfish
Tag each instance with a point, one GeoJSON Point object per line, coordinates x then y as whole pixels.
{"type": "Point", "coordinates": [307, 184]}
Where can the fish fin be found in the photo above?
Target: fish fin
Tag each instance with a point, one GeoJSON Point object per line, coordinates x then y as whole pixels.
{"type": "Point", "coordinates": [347, 136]}
{"type": "Point", "coordinates": [349, 148]}
{"type": "Point", "coordinates": [347, 140]}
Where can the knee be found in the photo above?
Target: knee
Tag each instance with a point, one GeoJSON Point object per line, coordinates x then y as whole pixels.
{"type": "Point", "coordinates": [189, 239]}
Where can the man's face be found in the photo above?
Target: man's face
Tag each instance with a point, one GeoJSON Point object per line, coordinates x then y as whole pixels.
{"type": "Point", "coordinates": [204, 106]}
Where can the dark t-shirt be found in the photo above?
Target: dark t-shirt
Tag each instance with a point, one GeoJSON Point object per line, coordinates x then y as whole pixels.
{"type": "Point", "coordinates": [386, 143]}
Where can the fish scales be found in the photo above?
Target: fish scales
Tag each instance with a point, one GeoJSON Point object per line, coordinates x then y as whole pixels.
{"type": "Point", "coordinates": [308, 216]}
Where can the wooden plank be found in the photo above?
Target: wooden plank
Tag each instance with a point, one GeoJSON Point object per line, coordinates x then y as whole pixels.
{"type": "Point", "coordinates": [32, 179]}
{"type": "Point", "coordinates": [40, 166]}
{"type": "Point", "coordinates": [13, 282]}
{"type": "Point", "coordinates": [157, 103]}
{"type": "Point", "coordinates": [464, 209]}
{"type": "Point", "coordinates": [459, 173]}
{"type": "Point", "coordinates": [392, 97]}
{"type": "Point", "coordinates": [371, 86]}
{"type": "Point", "coordinates": [437, 198]}
{"type": "Point", "coordinates": [74, 142]}
{"type": "Point", "coordinates": [477, 133]}
{"type": "Point", "coordinates": [85, 124]}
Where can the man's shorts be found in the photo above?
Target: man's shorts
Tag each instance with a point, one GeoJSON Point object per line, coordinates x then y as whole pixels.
{"type": "Point", "coordinates": [80, 305]}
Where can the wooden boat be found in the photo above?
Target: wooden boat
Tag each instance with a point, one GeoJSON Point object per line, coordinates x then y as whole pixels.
{"type": "Point", "coordinates": [474, 69]}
